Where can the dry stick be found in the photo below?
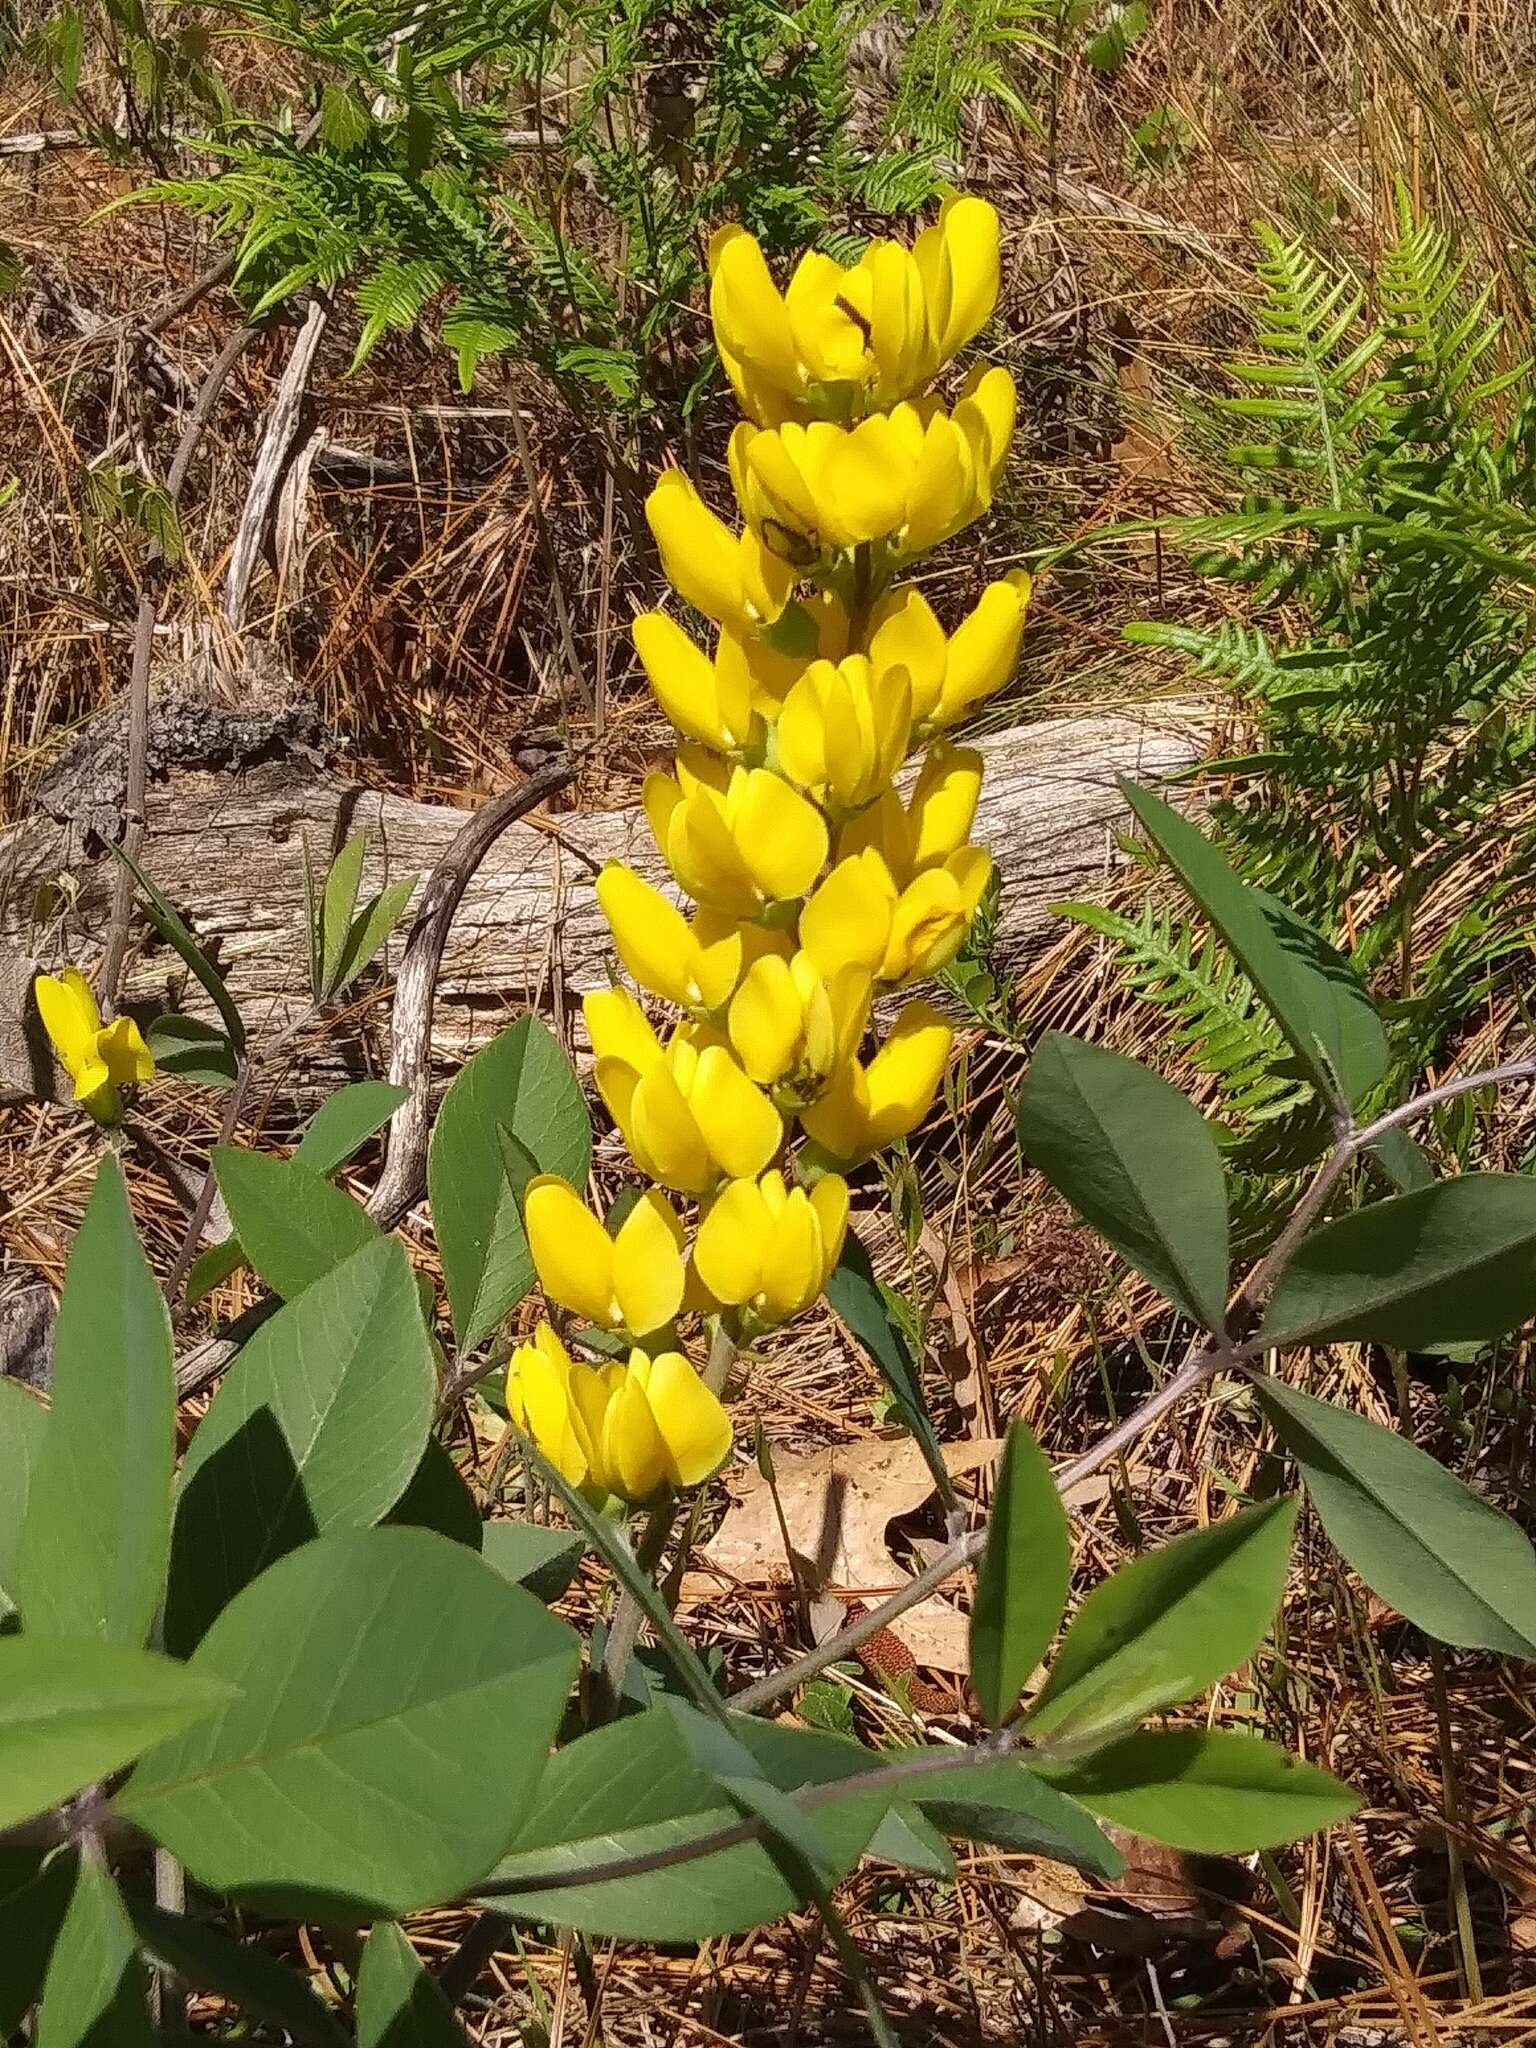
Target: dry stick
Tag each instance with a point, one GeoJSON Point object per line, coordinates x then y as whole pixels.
{"type": "Point", "coordinates": [1215, 1356]}
{"type": "Point", "coordinates": [551, 559]}
{"type": "Point", "coordinates": [276, 439]}
{"type": "Point", "coordinates": [138, 681]}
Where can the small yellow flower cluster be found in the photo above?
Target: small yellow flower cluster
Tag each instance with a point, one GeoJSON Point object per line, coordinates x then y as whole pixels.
{"type": "Point", "coordinates": [101, 1059]}
{"type": "Point", "coordinates": [817, 881]}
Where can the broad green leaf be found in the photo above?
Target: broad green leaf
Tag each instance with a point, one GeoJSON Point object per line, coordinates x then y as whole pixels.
{"type": "Point", "coordinates": [192, 1049]}
{"type": "Point", "coordinates": [1024, 1579]}
{"type": "Point", "coordinates": [398, 2003]}
{"type": "Point", "coordinates": [1441, 1555]}
{"type": "Point", "coordinates": [345, 1122]}
{"type": "Point", "coordinates": [371, 927]}
{"type": "Point", "coordinates": [522, 1083]}
{"type": "Point", "coordinates": [1002, 1801]}
{"type": "Point", "coordinates": [92, 1553]}
{"type": "Point", "coordinates": [293, 1226]}
{"type": "Point", "coordinates": [727, 1761]}
{"type": "Point", "coordinates": [545, 1560]}
{"type": "Point", "coordinates": [35, 1891]}
{"type": "Point", "coordinates": [338, 900]}
{"type": "Point", "coordinates": [72, 1711]}
{"type": "Point", "coordinates": [1137, 1161]}
{"type": "Point", "coordinates": [857, 1301]}
{"type": "Point", "coordinates": [342, 1124]}
{"type": "Point", "coordinates": [636, 1786]}
{"type": "Point", "coordinates": [1451, 1262]}
{"type": "Point", "coordinates": [1311, 991]}
{"type": "Point", "coordinates": [1207, 1790]}
{"type": "Point", "coordinates": [437, 1498]}
{"type": "Point", "coordinates": [319, 1425]}
{"type": "Point", "coordinates": [381, 1668]}
{"type": "Point", "coordinates": [261, 1986]}
{"type": "Point", "coordinates": [93, 1995]}
{"type": "Point", "coordinates": [22, 1420]}
{"type": "Point", "coordinates": [1167, 1625]}
{"type": "Point", "coordinates": [907, 1838]}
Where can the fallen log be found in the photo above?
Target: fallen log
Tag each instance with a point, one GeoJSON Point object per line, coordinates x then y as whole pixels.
{"type": "Point", "coordinates": [227, 844]}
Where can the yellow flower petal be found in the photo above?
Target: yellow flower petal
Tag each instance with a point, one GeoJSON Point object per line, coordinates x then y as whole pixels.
{"type": "Point", "coordinates": [692, 1424]}
{"type": "Point", "coordinates": [927, 927]}
{"type": "Point", "coordinates": [682, 678]}
{"type": "Point", "coordinates": [909, 636]}
{"type": "Point", "coordinates": [750, 317]}
{"type": "Point", "coordinates": [648, 1264]}
{"type": "Point", "coordinates": [650, 934]}
{"type": "Point", "coordinates": [665, 1138]}
{"type": "Point", "coordinates": [740, 1125]}
{"type": "Point", "coordinates": [792, 1269]}
{"type": "Point", "coordinates": [121, 1047]}
{"type": "Point", "coordinates": [904, 1075]}
{"type": "Point", "coordinates": [943, 806]}
{"type": "Point", "coordinates": [619, 1028]}
{"type": "Point", "coordinates": [782, 838]}
{"type": "Point", "coordinates": [984, 648]}
{"type": "Point", "coordinates": [572, 1253]}
{"type": "Point", "coordinates": [848, 919]}
{"type": "Point", "coordinates": [969, 239]}
{"type": "Point", "coordinates": [766, 1019]}
{"type": "Point", "coordinates": [70, 1018]}
{"type": "Point", "coordinates": [732, 1242]}
{"type": "Point", "coordinates": [633, 1458]}
{"type": "Point", "coordinates": [829, 1198]}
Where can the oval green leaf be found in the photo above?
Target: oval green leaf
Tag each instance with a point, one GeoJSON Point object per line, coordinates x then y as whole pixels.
{"type": "Point", "coordinates": [93, 1996]}
{"type": "Point", "coordinates": [71, 1712]}
{"type": "Point", "coordinates": [1447, 1264]}
{"type": "Point", "coordinates": [1417, 1535]}
{"type": "Point", "coordinates": [1137, 1161]}
{"type": "Point", "coordinates": [398, 2003]}
{"type": "Point", "coordinates": [1207, 1790]}
{"type": "Point", "coordinates": [290, 1223]}
{"type": "Point", "coordinates": [92, 1553]}
{"type": "Point", "coordinates": [1167, 1625]}
{"type": "Point", "coordinates": [320, 1424]}
{"type": "Point", "coordinates": [1025, 1576]}
{"type": "Point", "coordinates": [521, 1083]}
{"type": "Point", "coordinates": [381, 1668]}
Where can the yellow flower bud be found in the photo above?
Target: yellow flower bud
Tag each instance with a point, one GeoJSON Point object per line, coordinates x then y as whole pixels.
{"type": "Point", "coordinates": [844, 731]}
{"type": "Point", "coordinates": [768, 1248]}
{"type": "Point", "coordinates": [731, 578]}
{"type": "Point", "coordinates": [789, 1025]}
{"type": "Point", "coordinates": [690, 1117]}
{"type": "Point", "coordinates": [867, 1108]}
{"type": "Point", "coordinates": [845, 339]}
{"type": "Point", "coordinates": [617, 1429]}
{"type": "Point", "coordinates": [950, 677]}
{"type": "Point", "coordinates": [706, 700]}
{"type": "Point", "coordinates": [99, 1058]}
{"type": "Point", "coordinates": [631, 1281]}
{"type": "Point", "coordinates": [693, 965]}
{"type": "Point", "coordinates": [738, 839]}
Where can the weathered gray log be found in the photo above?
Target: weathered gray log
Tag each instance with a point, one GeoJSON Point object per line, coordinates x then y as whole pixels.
{"type": "Point", "coordinates": [227, 846]}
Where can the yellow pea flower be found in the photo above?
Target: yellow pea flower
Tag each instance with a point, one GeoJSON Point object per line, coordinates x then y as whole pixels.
{"type": "Point", "coordinates": [693, 963]}
{"type": "Point", "coordinates": [868, 1107]}
{"type": "Point", "coordinates": [768, 672]}
{"type": "Point", "coordinates": [738, 839]}
{"type": "Point", "coordinates": [790, 1026]}
{"type": "Point", "coordinates": [769, 1248]}
{"type": "Point", "coordinates": [631, 1281]}
{"type": "Point", "coordinates": [910, 477]}
{"type": "Point", "coordinates": [708, 701]}
{"type": "Point", "coordinates": [859, 915]}
{"type": "Point", "coordinates": [99, 1058]}
{"type": "Point", "coordinates": [689, 1115]}
{"type": "Point", "coordinates": [931, 826]}
{"type": "Point", "coordinates": [732, 578]}
{"type": "Point", "coordinates": [617, 1429]}
{"type": "Point", "coordinates": [847, 338]}
{"type": "Point", "coordinates": [950, 676]}
{"type": "Point", "coordinates": [844, 730]}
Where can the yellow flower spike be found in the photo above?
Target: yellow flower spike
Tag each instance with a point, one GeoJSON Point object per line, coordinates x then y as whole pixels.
{"type": "Point", "coordinates": [694, 1119]}
{"type": "Point", "coordinates": [868, 1108]}
{"type": "Point", "coordinates": [769, 1248]}
{"type": "Point", "coordinates": [731, 578]}
{"type": "Point", "coordinates": [789, 1024]}
{"type": "Point", "coordinates": [706, 702]}
{"type": "Point", "coordinates": [844, 730]}
{"type": "Point", "coordinates": [542, 1401]}
{"type": "Point", "coordinates": [98, 1058]}
{"type": "Point", "coordinates": [958, 262]}
{"type": "Point", "coordinates": [631, 1281]}
{"type": "Point", "coordinates": [695, 966]}
{"type": "Point", "coordinates": [737, 842]}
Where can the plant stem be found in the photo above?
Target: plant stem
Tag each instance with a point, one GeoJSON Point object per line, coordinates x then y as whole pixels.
{"type": "Point", "coordinates": [624, 1630]}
